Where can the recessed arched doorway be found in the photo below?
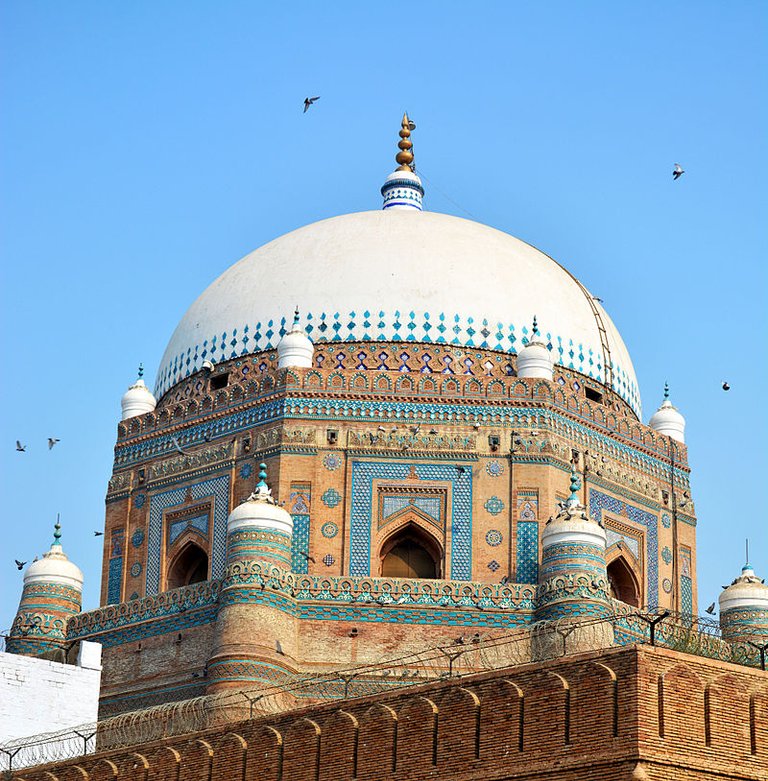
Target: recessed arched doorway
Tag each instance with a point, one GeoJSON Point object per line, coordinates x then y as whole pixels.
{"type": "Point", "coordinates": [623, 583]}
{"type": "Point", "coordinates": [190, 565]}
{"type": "Point", "coordinates": [411, 553]}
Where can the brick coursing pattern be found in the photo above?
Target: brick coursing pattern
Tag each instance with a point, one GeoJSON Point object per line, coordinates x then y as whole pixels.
{"type": "Point", "coordinates": [592, 717]}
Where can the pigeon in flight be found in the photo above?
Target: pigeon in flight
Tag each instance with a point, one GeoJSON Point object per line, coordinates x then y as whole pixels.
{"type": "Point", "coordinates": [678, 172]}
{"type": "Point", "coordinates": [51, 442]}
{"type": "Point", "coordinates": [20, 448]}
{"type": "Point", "coordinates": [726, 386]}
{"type": "Point", "coordinates": [177, 446]}
{"type": "Point", "coordinates": [307, 557]}
{"type": "Point", "coordinates": [98, 534]}
{"type": "Point", "coordinates": [710, 609]}
{"type": "Point", "coordinates": [308, 102]}
{"type": "Point", "coordinates": [20, 564]}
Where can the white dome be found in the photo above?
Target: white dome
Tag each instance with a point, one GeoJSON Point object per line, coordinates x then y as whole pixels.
{"type": "Point", "coordinates": [746, 591]}
{"type": "Point", "coordinates": [535, 360]}
{"type": "Point", "coordinates": [667, 420]}
{"type": "Point", "coordinates": [137, 400]}
{"type": "Point", "coordinates": [54, 567]}
{"type": "Point", "coordinates": [295, 348]}
{"type": "Point", "coordinates": [399, 275]}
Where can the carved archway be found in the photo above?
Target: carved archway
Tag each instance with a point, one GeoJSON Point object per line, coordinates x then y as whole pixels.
{"type": "Point", "coordinates": [623, 582]}
{"type": "Point", "coordinates": [411, 553]}
{"type": "Point", "coordinates": [190, 565]}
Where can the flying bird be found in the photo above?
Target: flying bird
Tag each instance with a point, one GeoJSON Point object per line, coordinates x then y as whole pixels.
{"type": "Point", "coordinates": [678, 172]}
{"type": "Point", "coordinates": [415, 429]}
{"type": "Point", "coordinates": [51, 442]}
{"type": "Point", "coordinates": [726, 387]}
{"type": "Point", "coordinates": [433, 431]}
{"type": "Point", "coordinates": [599, 300]}
{"type": "Point", "coordinates": [710, 609]}
{"type": "Point", "coordinates": [177, 446]}
{"type": "Point", "coordinates": [98, 534]}
{"type": "Point", "coordinates": [307, 556]}
{"type": "Point", "coordinates": [21, 448]}
{"type": "Point", "coordinates": [20, 564]}
{"type": "Point", "coordinates": [308, 102]}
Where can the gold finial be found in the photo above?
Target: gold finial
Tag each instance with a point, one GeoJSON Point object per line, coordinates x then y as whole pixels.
{"type": "Point", "coordinates": [405, 156]}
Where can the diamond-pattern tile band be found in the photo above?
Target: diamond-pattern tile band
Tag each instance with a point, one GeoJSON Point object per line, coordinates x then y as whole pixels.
{"type": "Point", "coordinates": [419, 327]}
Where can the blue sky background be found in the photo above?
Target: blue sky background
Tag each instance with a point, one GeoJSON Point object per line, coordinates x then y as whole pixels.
{"type": "Point", "coordinates": [147, 146]}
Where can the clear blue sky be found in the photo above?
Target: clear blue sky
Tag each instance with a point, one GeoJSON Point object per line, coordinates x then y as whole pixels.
{"type": "Point", "coordinates": [147, 146]}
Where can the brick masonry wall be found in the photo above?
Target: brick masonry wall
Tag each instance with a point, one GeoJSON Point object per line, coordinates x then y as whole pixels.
{"type": "Point", "coordinates": [594, 716]}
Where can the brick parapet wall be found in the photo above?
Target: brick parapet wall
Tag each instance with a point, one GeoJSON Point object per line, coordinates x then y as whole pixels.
{"type": "Point", "coordinates": [592, 716]}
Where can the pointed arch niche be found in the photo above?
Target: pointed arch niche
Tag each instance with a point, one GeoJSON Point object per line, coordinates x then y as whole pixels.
{"type": "Point", "coordinates": [189, 565]}
{"type": "Point", "coordinates": [411, 552]}
{"type": "Point", "coordinates": [623, 581]}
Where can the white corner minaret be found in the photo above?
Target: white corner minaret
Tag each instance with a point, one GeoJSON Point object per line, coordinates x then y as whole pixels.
{"type": "Point", "coordinates": [534, 360]}
{"type": "Point", "coordinates": [138, 399]}
{"type": "Point", "coordinates": [295, 348]}
{"type": "Point", "coordinates": [402, 189]}
{"type": "Point", "coordinates": [667, 420]}
{"type": "Point", "coordinates": [744, 608]}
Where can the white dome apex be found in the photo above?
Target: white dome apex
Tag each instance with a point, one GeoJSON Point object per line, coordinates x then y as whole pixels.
{"type": "Point", "coordinates": [55, 567]}
{"type": "Point", "coordinates": [667, 420]}
{"type": "Point", "coordinates": [400, 275]}
{"type": "Point", "coordinates": [138, 399]}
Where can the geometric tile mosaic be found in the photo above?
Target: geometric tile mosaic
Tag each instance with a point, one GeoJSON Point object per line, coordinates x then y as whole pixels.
{"type": "Point", "coordinates": [177, 528]}
{"type": "Point", "coordinates": [300, 544]}
{"type": "Point", "coordinates": [493, 537]}
{"type": "Point", "coordinates": [363, 475]}
{"type": "Point", "coordinates": [598, 501]}
{"type": "Point", "coordinates": [527, 552]}
{"type": "Point", "coordinates": [114, 580]}
{"type": "Point", "coordinates": [215, 487]}
{"type": "Point", "coordinates": [494, 505]}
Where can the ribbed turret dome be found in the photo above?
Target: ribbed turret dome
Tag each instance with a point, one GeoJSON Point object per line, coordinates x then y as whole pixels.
{"type": "Point", "coordinates": [667, 420]}
{"type": "Point", "coordinates": [746, 591]}
{"type": "Point", "coordinates": [295, 348]}
{"type": "Point", "coordinates": [55, 567]}
{"type": "Point", "coordinates": [138, 399]}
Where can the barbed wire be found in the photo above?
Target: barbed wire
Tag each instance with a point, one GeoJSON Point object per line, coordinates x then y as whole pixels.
{"type": "Point", "coordinates": [465, 654]}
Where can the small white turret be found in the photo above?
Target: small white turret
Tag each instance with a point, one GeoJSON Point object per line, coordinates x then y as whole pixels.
{"type": "Point", "coordinates": [744, 608]}
{"type": "Point", "coordinates": [667, 420]}
{"type": "Point", "coordinates": [260, 510]}
{"type": "Point", "coordinates": [534, 360]}
{"type": "Point", "coordinates": [295, 348]}
{"type": "Point", "coordinates": [138, 399]}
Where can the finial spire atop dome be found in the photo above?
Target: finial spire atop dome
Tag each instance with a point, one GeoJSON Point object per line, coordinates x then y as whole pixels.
{"type": "Point", "coordinates": [296, 318]}
{"type": "Point", "coordinates": [666, 391]}
{"type": "Point", "coordinates": [405, 156]}
{"type": "Point", "coordinates": [57, 532]}
{"type": "Point", "coordinates": [141, 371]}
{"type": "Point", "coordinates": [402, 189]}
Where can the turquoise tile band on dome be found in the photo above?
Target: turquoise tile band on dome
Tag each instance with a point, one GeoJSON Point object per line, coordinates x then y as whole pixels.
{"type": "Point", "coordinates": [397, 326]}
